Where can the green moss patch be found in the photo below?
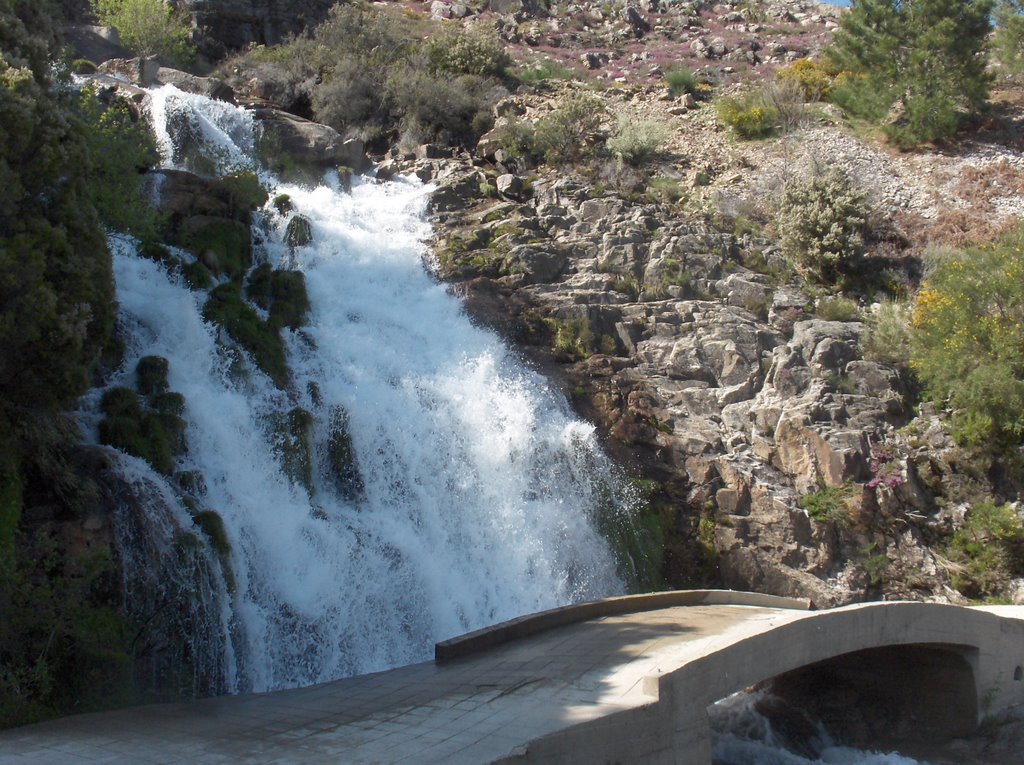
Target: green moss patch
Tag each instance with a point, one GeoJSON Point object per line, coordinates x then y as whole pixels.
{"type": "Point", "coordinates": [228, 308]}
{"type": "Point", "coordinates": [151, 375]}
{"type": "Point", "coordinates": [341, 458]}
{"type": "Point", "coordinates": [293, 445]}
{"type": "Point", "coordinates": [129, 426]}
{"type": "Point", "coordinates": [282, 293]}
{"type": "Point", "coordinates": [224, 245]}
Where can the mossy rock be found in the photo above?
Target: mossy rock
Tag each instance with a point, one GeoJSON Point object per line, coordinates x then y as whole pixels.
{"type": "Point", "coordinates": [228, 308]}
{"type": "Point", "coordinates": [259, 287]}
{"type": "Point", "coordinates": [170, 403]}
{"type": "Point", "coordinates": [343, 468]}
{"type": "Point", "coordinates": [223, 244]}
{"type": "Point", "coordinates": [299, 232]}
{"type": "Point", "coordinates": [294, 446]}
{"type": "Point", "coordinates": [191, 481]}
{"type": "Point", "coordinates": [245, 191]}
{"type": "Point", "coordinates": [212, 526]}
{"type": "Point", "coordinates": [197, 276]}
{"type": "Point", "coordinates": [151, 375]}
{"type": "Point", "coordinates": [283, 204]}
{"type": "Point", "coordinates": [282, 293]}
{"type": "Point", "coordinates": [130, 428]}
{"type": "Point", "coordinates": [289, 300]}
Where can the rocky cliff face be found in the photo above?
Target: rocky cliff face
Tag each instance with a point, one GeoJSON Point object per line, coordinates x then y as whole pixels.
{"type": "Point", "coordinates": [780, 448]}
{"type": "Point", "coordinates": [230, 25]}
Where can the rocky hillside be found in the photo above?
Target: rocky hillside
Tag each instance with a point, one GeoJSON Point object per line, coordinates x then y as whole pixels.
{"type": "Point", "coordinates": [787, 452]}
{"type": "Point", "coordinates": [611, 224]}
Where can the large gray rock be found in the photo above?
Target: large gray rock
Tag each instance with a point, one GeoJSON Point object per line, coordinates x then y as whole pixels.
{"type": "Point", "coordinates": [211, 87]}
{"type": "Point", "coordinates": [95, 44]}
{"type": "Point", "coordinates": [309, 143]}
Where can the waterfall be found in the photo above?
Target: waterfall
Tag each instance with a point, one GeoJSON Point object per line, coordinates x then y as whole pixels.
{"type": "Point", "coordinates": [478, 493]}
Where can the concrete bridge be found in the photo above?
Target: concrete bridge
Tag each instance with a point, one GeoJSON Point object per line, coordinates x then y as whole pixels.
{"type": "Point", "coordinates": [623, 680]}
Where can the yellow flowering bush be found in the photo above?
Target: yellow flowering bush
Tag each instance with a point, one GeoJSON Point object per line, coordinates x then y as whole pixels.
{"type": "Point", "coordinates": [967, 340]}
{"type": "Point", "coordinates": [748, 114]}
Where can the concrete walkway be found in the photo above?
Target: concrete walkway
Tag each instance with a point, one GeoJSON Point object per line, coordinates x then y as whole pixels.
{"type": "Point", "coordinates": [478, 708]}
{"type": "Point", "coordinates": [472, 710]}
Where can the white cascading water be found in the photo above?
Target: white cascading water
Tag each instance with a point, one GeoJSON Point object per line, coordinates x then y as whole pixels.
{"type": "Point", "coordinates": [481, 489]}
{"type": "Point", "coordinates": [742, 735]}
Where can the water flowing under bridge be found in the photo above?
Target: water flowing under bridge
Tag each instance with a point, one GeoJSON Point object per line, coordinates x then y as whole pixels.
{"type": "Point", "coordinates": [621, 680]}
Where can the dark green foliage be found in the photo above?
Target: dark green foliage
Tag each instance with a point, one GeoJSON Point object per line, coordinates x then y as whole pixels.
{"type": "Point", "coordinates": [122, 148]}
{"type": "Point", "coordinates": [821, 222]}
{"type": "Point", "coordinates": [442, 109]}
{"type": "Point", "coordinates": [368, 73]}
{"type": "Point", "coordinates": [829, 503]}
{"type": "Point", "coordinates": [228, 308]}
{"type": "Point", "coordinates": [681, 81]}
{"type": "Point", "coordinates": [566, 134]}
{"type": "Point", "coordinates": [299, 232]}
{"type": "Point", "coordinates": [468, 51]}
{"type": "Point", "coordinates": [244, 191]}
{"type": "Point", "coordinates": [60, 650]}
{"type": "Point", "coordinates": [1008, 41]}
{"type": "Point", "coordinates": [290, 303]}
{"type": "Point", "coordinates": [225, 244]}
{"type": "Point", "coordinates": [927, 57]}
{"type": "Point", "coordinates": [197, 276]}
{"type": "Point", "coordinates": [987, 551]}
{"type": "Point", "coordinates": [151, 375]}
{"type": "Point", "coordinates": [146, 434]}
{"type": "Point", "coordinates": [258, 288]}
{"type": "Point", "coordinates": [966, 342]}
{"type": "Point", "coordinates": [342, 466]}
{"type": "Point", "coordinates": [292, 442]}
{"type": "Point", "coordinates": [212, 525]}
{"type": "Point", "coordinates": [283, 204]}
{"type": "Point", "coordinates": [282, 293]}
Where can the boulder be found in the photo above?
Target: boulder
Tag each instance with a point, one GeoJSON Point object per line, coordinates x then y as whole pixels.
{"type": "Point", "coordinates": [137, 71]}
{"type": "Point", "coordinates": [211, 87]}
{"type": "Point", "coordinates": [95, 44]}
{"type": "Point", "coordinates": [308, 143]}
{"type": "Point", "coordinates": [509, 185]}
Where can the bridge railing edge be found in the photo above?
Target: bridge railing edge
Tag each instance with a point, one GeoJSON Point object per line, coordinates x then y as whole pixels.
{"type": "Point", "coordinates": [531, 624]}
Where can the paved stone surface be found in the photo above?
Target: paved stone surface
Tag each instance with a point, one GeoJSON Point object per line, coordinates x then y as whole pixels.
{"type": "Point", "coordinates": [472, 710]}
{"type": "Point", "coordinates": [477, 709]}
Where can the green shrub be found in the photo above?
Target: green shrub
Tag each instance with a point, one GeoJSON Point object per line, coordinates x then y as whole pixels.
{"type": "Point", "coordinates": [681, 81]}
{"type": "Point", "coordinates": [636, 138]}
{"type": "Point", "coordinates": [821, 222]}
{"type": "Point", "coordinates": [966, 340]}
{"type": "Point", "coordinates": [544, 70]}
{"type": "Point", "coordinates": [565, 134]}
{"type": "Point", "coordinates": [829, 504]}
{"type": "Point", "coordinates": [813, 78]}
{"type": "Point", "coordinates": [747, 114]}
{"type": "Point", "coordinates": [987, 551]}
{"type": "Point", "coordinates": [465, 51]}
{"type": "Point", "coordinates": [574, 338]}
{"type": "Point", "coordinates": [122, 148]}
{"type": "Point", "coordinates": [887, 339]}
{"type": "Point", "coordinates": [440, 108]}
{"type": "Point", "coordinates": [148, 27]}
{"type": "Point", "coordinates": [838, 308]}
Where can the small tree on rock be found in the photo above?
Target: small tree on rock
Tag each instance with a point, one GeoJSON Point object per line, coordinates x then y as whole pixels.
{"type": "Point", "coordinates": [925, 57]}
{"type": "Point", "coordinates": [148, 27]}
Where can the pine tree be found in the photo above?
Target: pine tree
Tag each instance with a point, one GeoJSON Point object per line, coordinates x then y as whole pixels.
{"type": "Point", "coordinates": [1008, 41]}
{"type": "Point", "coordinates": [927, 58]}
